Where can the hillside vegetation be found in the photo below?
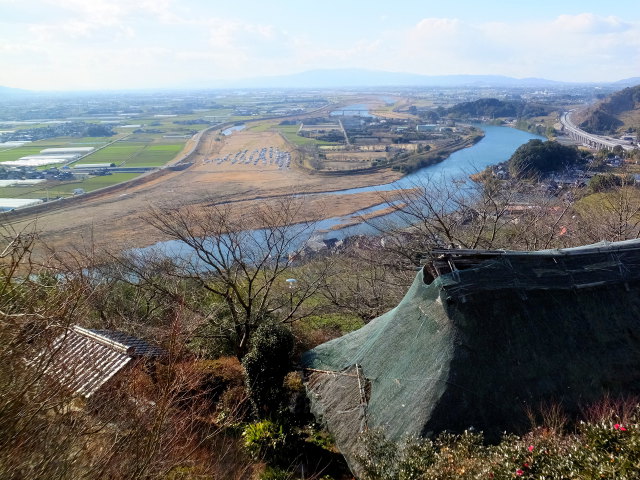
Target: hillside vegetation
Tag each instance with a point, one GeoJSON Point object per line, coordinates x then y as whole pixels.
{"type": "Point", "coordinates": [226, 402]}
{"type": "Point", "coordinates": [494, 108]}
{"type": "Point", "coordinates": [536, 158]}
{"type": "Point", "coordinates": [605, 116]}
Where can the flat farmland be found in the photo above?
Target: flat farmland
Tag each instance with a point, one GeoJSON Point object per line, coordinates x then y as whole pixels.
{"type": "Point", "coordinates": [148, 151]}
{"type": "Point", "coordinates": [116, 216]}
{"type": "Point", "coordinates": [54, 189]}
{"type": "Point", "coordinates": [11, 154]}
{"type": "Point", "coordinates": [154, 155]}
{"type": "Point", "coordinates": [92, 183]}
{"type": "Point", "coordinates": [351, 160]}
{"type": "Point", "coordinates": [261, 127]}
{"type": "Point", "coordinates": [135, 154]}
{"type": "Point", "coordinates": [34, 148]}
{"type": "Point", "coordinates": [324, 126]}
{"type": "Point", "coordinates": [117, 153]}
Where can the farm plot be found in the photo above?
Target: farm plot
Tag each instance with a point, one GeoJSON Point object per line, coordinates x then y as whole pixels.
{"type": "Point", "coordinates": [17, 152]}
{"type": "Point", "coordinates": [53, 189]}
{"type": "Point", "coordinates": [117, 153]}
{"type": "Point", "coordinates": [34, 148]}
{"type": "Point", "coordinates": [153, 155]}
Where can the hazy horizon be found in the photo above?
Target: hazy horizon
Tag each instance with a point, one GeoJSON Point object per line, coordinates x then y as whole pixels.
{"type": "Point", "coordinates": [160, 44]}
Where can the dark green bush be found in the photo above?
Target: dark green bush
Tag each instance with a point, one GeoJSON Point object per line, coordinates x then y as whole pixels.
{"type": "Point", "coordinates": [266, 365]}
{"type": "Point", "coordinates": [537, 157]}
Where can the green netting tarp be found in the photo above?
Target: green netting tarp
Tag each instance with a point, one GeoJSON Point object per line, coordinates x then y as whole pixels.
{"type": "Point", "coordinates": [480, 345]}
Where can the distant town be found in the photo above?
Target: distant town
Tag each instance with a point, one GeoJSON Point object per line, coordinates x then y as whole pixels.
{"type": "Point", "coordinates": [59, 146]}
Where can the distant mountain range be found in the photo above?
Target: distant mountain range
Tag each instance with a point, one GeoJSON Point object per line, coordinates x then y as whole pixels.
{"type": "Point", "coordinates": [627, 82]}
{"type": "Point", "coordinates": [348, 78]}
{"type": "Point", "coordinates": [342, 78]}
{"type": "Point", "coordinates": [355, 77]}
{"type": "Point", "coordinates": [10, 92]}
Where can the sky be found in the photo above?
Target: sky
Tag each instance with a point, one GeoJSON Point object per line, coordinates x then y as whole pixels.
{"type": "Point", "coordinates": [133, 44]}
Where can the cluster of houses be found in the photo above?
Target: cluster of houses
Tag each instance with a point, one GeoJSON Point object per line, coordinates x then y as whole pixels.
{"type": "Point", "coordinates": [30, 173]}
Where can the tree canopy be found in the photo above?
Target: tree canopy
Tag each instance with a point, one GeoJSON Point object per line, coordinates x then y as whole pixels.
{"type": "Point", "coordinates": [537, 157]}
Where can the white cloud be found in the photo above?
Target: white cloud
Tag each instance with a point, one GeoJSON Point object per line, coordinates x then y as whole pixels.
{"type": "Point", "coordinates": [109, 43]}
{"type": "Point", "coordinates": [581, 47]}
{"type": "Point", "coordinates": [434, 27]}
{"type": "Point", "coordinates": [588, 23]}
{"type": "Point", "coordinates": [103, 12]}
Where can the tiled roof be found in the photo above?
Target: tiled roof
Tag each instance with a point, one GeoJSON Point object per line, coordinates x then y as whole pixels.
{"type": "Point", "coordinates": [140, 347]}
{"type": "Point", "coordinates": [83, 360]}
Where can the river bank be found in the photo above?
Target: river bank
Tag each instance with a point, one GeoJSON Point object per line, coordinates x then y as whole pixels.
{"type": "Point", "coordinates": [497, 145]}
{"type": "Point", "coordinates": [117, 220]}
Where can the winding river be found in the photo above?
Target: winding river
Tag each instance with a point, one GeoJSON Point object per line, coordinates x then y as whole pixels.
{"type": "Point", "coordinates": [497, 146]}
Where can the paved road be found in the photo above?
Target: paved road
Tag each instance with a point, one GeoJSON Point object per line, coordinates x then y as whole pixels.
{"type": "Point", "coordinates": [604, 142]}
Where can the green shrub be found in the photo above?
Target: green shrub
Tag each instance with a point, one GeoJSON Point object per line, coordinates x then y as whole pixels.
{"type": "Point", "coordinates": [265, 440]}
{"type": "Point", "coordinates": [274, 473]}
{"type": "Point", "coordinates": [605, 448]}
{"type": "Point", "coordinates": [266, 365]}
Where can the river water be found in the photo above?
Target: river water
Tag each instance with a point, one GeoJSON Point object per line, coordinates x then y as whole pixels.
{"type": "Point", "coordinates": [497, 146]}
{"type": "Point", "coordinates": [355, 109]}
{"type": "Point", "coordinates": [235, 128]}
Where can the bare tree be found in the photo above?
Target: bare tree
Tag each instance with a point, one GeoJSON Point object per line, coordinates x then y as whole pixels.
{"type": "Point", "coordinates": [142, 426]}
{"type": "Point", "coordinates": [612, 215]}
{"type": "Point", "coordinates": [243, 260]}
{"type": "Point", "coordinates": [476, 215]}
{"type": "Point", "coordinates": [365, 279]}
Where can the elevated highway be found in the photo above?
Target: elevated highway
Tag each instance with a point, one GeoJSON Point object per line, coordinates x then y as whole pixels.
{"type": "Point", "coordinates": [589, 139]}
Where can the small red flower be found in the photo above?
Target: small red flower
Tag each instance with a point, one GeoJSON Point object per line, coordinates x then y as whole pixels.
{"type": "Point", "coordinates": [622, 429]}
{"type": "Point", "coordinates": [525, 465]}
{"type": "Point", "coordinates": [616, 426]}
{"type": "Point", "coordinates": [519, 472]}
{"type": "Point", "coordinates": [531, 448]}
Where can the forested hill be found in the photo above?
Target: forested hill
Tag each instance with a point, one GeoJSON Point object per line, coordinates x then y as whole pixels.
{"type": "Point", "coordinates": [494, 108]}
{"type": "Point", "coordinates": [604, 116]}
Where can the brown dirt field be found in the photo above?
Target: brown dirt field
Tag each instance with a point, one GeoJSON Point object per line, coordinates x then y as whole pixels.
{"type": "Point", "coordinates": [115, 219]}
{"type": "Point", "coordinates": [381, 109]}
{"type": "Point", "coordinates": [355, 220]}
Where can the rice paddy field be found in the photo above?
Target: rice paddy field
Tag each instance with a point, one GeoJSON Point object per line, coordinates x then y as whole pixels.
{"type": "Point", "coordinates": [54, 189]}
{"type": "Point", "coordinates": [34, 148]}
{"type": "Point", "coordinates": [17, 152]}
{"type": "Point", "coordinates": [127, 153]}
{"type": "Point", "coordinates": [124, 150]}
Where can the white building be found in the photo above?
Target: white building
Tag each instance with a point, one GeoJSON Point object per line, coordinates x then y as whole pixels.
{"type": "Point", "coordinates": [7, 204]}
{"type": "Point", "coordinates": [64, 150]}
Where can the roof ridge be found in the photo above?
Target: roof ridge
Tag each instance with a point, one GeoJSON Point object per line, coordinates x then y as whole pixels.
{"type": "Point", "coordinates": [113, 344]}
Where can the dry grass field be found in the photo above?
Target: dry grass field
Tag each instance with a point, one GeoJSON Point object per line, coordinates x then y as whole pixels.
{"type": "Point", "coordinates": [115, 219]}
